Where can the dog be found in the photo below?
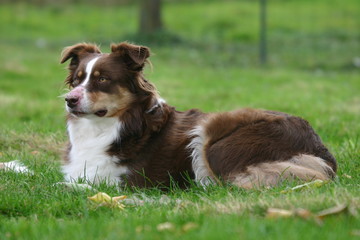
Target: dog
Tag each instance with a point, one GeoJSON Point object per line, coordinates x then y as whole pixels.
{"type": "Point", "coordinates": [122, 132]}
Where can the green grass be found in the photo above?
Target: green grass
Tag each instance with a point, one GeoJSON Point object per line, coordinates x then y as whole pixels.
{"type": "Point", "coordinates": [212, 66]}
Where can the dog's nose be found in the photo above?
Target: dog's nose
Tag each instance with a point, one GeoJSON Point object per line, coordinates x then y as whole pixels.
{"type": "Point", "coordinates": [72, 101]}
{"type": "Point", "coordinates": [73, 98]}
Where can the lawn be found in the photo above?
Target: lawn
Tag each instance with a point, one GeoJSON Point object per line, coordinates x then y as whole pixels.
{"type": "Point", "coordinates": [207, 59]}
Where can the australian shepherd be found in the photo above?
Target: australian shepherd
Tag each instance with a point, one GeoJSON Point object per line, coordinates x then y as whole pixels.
{"type": "Point", "coordinates": [122, 132]}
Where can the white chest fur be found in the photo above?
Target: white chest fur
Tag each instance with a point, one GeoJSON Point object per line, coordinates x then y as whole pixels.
{"type": "Point", "coordinates": [88, 160]}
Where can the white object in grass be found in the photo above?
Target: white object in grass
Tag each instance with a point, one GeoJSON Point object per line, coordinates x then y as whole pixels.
{"type": "Point", "coordinates": [15, 166]}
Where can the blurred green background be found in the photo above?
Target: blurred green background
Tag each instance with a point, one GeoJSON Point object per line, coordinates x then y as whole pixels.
{"type": "Point", "coordinates": [321, 34]}
{"type": "Point", "coordinates": [205, 55]}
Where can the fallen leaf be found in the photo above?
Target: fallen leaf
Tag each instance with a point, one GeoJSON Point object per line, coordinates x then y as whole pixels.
{"type": "Point", "coordinates": [347, 176]}
{"type": "Point", "coordinates": [118, 198]}
{"type": "Point", "coordinates": [166, 226]}
{"type": "Point", "coordinates": [283, 213]}
{"type": "Point", "coordinates": [332, 211]}
{"type": "Point", "coordinates": [100, 197]}
{"type": "Point", "coordinates": [104, 199]}
{"type": "Point", "coordinates": [303, 213]}
{"type": "Point", "coordinates": [189, 226]}
{"type": "Point", "coordinates": [35, 152]}
{"type": "Point", "coordinates": [276, 213]}
{"type": "Point", "coordinates": [314, 184]}
{"type": "Point", "coordinates": [306, 214]}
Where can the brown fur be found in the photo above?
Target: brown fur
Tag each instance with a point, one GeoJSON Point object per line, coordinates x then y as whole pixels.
{"type": "Point", "coordinates": [158, 150]}
{"type": "Point", "coordinates": [116, 103]}
{"type": "Point", "coordinates": [249, 137]}
{"type": "Point", "coordinates": [240, 146]}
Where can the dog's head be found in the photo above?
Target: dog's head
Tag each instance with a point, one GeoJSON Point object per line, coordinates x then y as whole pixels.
{"type": "Point", "coordinates": [105, 85]}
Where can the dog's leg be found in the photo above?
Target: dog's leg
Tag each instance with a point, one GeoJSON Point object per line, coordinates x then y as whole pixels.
{"type": "Point", "coordinates": [203, 174]}
{"type": "Point", "coordinates": [303, 167]}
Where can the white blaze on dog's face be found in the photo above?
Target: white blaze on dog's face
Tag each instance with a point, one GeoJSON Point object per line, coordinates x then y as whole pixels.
{"type": "Point", "coordinates": [103, 85]}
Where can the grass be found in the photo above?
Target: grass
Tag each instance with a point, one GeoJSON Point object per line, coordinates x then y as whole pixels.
{"type": "Point", "coordinates": [212, 66]}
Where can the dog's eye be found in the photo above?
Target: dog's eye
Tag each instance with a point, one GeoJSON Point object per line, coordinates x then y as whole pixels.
{"type": "Point", "coordinates": [102, 79]}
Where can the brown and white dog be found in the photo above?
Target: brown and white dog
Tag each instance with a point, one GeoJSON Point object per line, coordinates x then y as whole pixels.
{"type": "Point", "coordinates": [122, 132]}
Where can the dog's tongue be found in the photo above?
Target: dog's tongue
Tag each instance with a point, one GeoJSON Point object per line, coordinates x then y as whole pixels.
{"type": "Point", "coordinates": [101, 113]}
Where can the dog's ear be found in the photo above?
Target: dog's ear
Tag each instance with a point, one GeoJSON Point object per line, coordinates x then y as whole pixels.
{"type": "Point", "coordinates": [134, 56]}
{"type": "Point", "coordinates": [77, 52]}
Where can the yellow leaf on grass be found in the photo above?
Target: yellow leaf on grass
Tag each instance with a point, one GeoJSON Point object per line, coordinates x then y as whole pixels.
{"type": "Point", "coordinates": [118, 198]}
{"type": "Point", "coordinates": [100, 197]}
{"type": "Point", "coordinates": [104, 199]}
{"type": "Point", "coordinates": [276, 213]}
{"type": "Point", "coordinates": [306, 214]}
{"type": "Point", "coordinates": [303, 213]}
{"type": "Point", "coordinates": [283, 213]}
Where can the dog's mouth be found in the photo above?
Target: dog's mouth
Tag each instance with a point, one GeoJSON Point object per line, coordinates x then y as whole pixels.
{"type": "Point", "coordinates": [100, 113]}
{"type": "Point", "coordinates": [78, 113]}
